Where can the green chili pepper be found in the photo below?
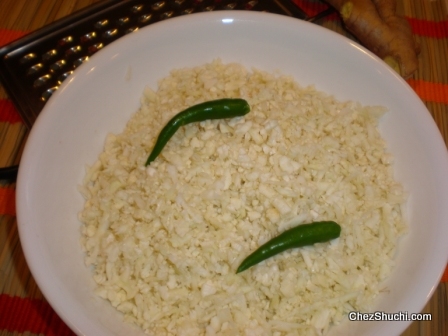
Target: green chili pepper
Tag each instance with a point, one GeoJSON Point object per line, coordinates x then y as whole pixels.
{"type": "Point", "coordinates": [302, 235]}
{"type": "Point", "coordinates": [215, 109]}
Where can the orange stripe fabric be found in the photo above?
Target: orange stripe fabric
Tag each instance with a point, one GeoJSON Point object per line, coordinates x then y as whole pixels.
{"type": "Point", "coordinates": [431, 92]}
{"type": "Point", "coordinates": [311, 8]}
{"type": "Point", "coordinates": [8, 35]}
{"type": "Point", "coordinates": [8, 112]}
{"type": "Point", "coordinates": [429, 28]}
{"type": "Point", "coordinates": [445, 275]}
{"type": "Point", "coordinates": [7, 201]}
{"type": "Point", "coordinates": [30, 315]}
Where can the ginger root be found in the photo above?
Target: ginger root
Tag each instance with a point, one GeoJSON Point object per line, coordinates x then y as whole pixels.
{"type": "Point", "coordinates": [381, 30]}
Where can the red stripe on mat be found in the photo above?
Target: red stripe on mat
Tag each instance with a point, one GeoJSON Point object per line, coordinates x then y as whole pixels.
{"type": "Point", "coordinates": [311, 8]}
{"type": "Point", "coordinates": [7, 202]}
{"type": "Point", "coordinates": [8, 35]}
{"type": "Point", "coordinates": [429, 28]}
{"type": "Point", "coordinates": [445, 275]}
{"type": "Point", "coordinates": [8, 112]}
{"type": "Point", "coordinates": [431, 92]}
{"type": "Point", "coordinates": [30, 315]}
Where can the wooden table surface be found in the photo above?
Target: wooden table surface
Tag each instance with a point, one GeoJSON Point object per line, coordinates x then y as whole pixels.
{"type": "Point", "coordinates": [24, 310]}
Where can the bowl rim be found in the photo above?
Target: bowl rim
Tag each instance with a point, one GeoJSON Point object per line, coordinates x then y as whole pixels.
{"type": "Point", "coordinates": [21, 195]}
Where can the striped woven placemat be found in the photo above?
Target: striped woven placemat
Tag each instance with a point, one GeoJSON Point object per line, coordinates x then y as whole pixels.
{"type": "Point", "coordinates": [24, 310]}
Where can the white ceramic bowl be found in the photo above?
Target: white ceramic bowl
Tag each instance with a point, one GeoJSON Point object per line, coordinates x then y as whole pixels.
{"type": "Point", "coordinates": [102, 94]}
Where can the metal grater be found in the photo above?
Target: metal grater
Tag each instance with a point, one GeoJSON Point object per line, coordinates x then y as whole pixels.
{"type": "Point", "coordinates": [33, 67]}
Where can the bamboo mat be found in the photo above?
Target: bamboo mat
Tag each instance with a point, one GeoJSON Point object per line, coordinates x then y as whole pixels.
{"type": "Point", "coordinates": [23, 309]}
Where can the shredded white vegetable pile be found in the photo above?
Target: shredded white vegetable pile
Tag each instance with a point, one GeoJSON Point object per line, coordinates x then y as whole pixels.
{"type": "Point", "coordinates": [164, 241]}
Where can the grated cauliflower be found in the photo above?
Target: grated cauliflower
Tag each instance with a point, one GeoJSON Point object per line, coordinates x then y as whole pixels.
{"type": "Point", "coordinates": [164, 241]}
